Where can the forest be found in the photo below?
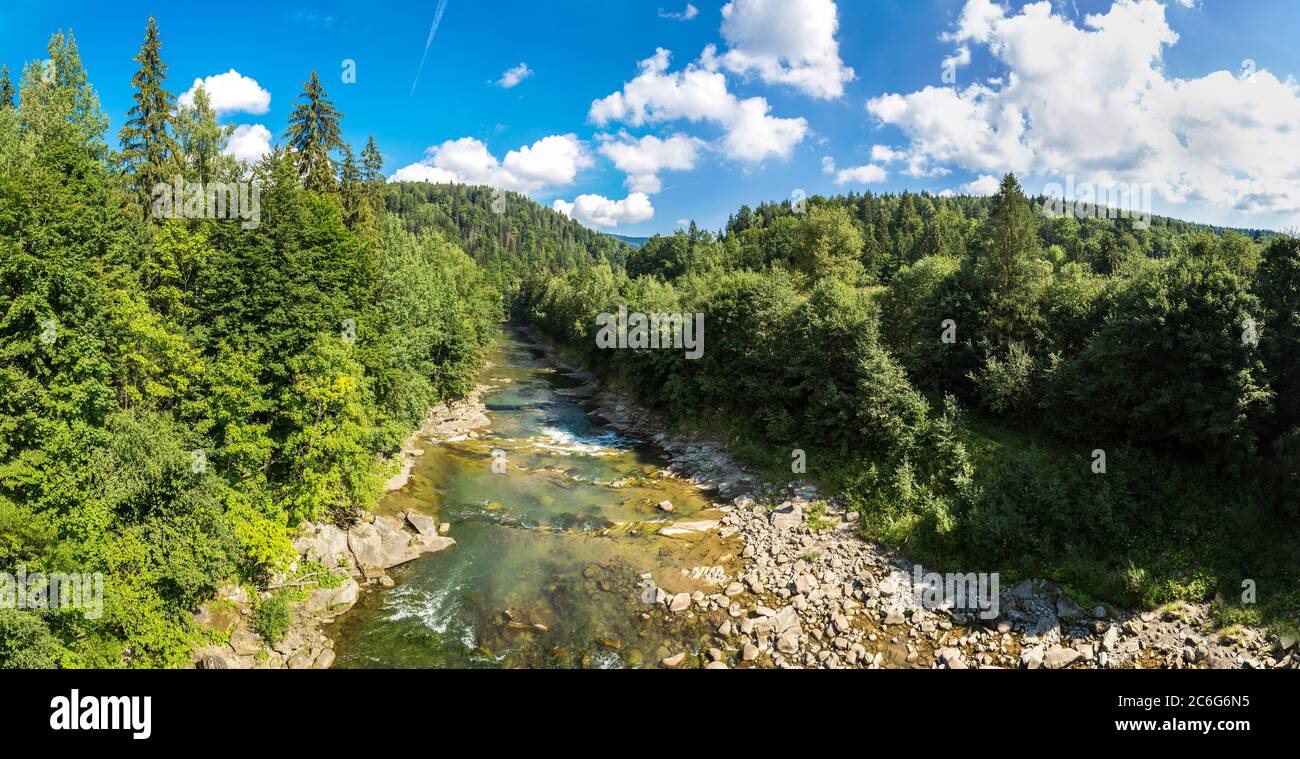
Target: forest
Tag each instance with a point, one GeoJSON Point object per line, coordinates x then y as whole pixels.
{"type": "Point", "coordinates": [178, 393]}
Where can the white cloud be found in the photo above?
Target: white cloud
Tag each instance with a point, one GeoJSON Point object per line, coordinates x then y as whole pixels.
{"type": "Point", "coordinates": [985, 185]}
{"type": "Point", "coordinates": [231, 92]}
{"type": "Point", "coordinates": [249, 142]}
{"type": "Point", "coordinates": [643, 159]}
{"type": "Point", "coordinates": [550, 162]}
{"type": "Point", "coordinates": [884, 154]}
{"type": "Point", "coordinates": [828, 165]}
{"type": "Point", "coordinates": [698, 95]}
{"type": "Point", "coordinates": [599, 211]}
{"type": "Point", "coordinates": [685, 15]}
{"type": "Point", "coordinates": [861, 175]}
{"type": "Point", "coordinates": [1094, 101]}
{"type": "Point", "coordinates": [789, 42]}
{"type": "Point", "coordinates": [514, 76]}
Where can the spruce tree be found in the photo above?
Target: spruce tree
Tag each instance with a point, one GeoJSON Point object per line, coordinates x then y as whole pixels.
{"type": "Point", "coordinates": [313, 133]}
{"type": "Point", "coordinates": [6, 89]}
{"type": "Point", "coordinates": [372, 163]}
{"type": "Point", "coordinates": [148, 147]}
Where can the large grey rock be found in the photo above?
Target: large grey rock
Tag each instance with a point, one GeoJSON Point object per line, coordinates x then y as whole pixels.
{"type": "Point", "coordinates": [367, 545]}
{"type": "Point", "coordinates": [331, 602]}
{"type": "Point", "coordinates": [787, 516]}
{"type": "Point", "coordinates": [324, 544]}
{"type": "Point", "coordinates": [422, 524]}
{"type": "Point", "coordinates": [1060, 657]}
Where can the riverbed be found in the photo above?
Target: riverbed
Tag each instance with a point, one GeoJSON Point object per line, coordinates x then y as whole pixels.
{"type": "Point", "coordinates": [556, 518]}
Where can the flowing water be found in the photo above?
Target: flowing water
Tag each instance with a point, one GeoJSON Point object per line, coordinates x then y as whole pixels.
{"type": "Point", "coordinates": [547, 570]}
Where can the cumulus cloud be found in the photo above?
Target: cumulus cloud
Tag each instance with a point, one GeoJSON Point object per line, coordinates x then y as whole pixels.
{"type": "Point", "coordinates": [1093, 100]}
{"type": "Point", "coordinates": [861, 175]}
{"type": "Point", "coordinates": [643, 159]}
{"type": "Point", "coordinates": [230, 92]}
{"type": "Point", "coordinates": [685, 15]}
{"type": "Point", "coordinates": [985, 185]}
{"type": "Point", "coordinates": [514, 76]}
{"type": "Point", "coordinates": [697, 94]}
{"type": "Point", "coordinates": [599, 211]}
{"type": "Point", "coordinates": [788, 42]}
{"type": "Point", "coordinates": [249, 142]}
{"type": "Point", "coordinates": [550, 162]}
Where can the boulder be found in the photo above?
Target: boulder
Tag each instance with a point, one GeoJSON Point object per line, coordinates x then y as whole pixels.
{"type": "Point", "coordinates": [787, 516]}
{"type": "Point", "coordinates": [679, 529]}
{"type": "Point", "coordinates": [367, 545]}
{"type": "Point", "coordinates": [324, 544]}
{"type": "Point", "coordinates": [1060, 657]}
{"type": "Point", "coordinates": [331, 602]}
{"type": "Point", "coordinates": [423, 525]}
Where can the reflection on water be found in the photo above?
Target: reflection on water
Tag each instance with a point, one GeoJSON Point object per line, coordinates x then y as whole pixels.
{"type": "Point", "coordinates": [549, 556]}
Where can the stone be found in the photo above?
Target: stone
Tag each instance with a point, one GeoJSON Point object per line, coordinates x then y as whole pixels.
{"type": "Point", "coordinates": [750, 652]}
{"type": "Point", "coordinates": [1060, 657]}
{"type": "Point", "coordinates": [666, 506]}
{"type": "Point", "coordinates": [680, 529]}
{"type": "Point", "coordinates": [680, 602]}
{"type": "Point", "coordinates": [716, 665]}
{"type": "Point", "coordinates": [894, 617]}
{"type": "Point", "coordinates": [1032, 658]}
{"type": "Point", "coordinates": [1110, 639]}
{"type": "Point", "coordinates": [367, 545]}
{"type": "Point", "coordinates": [785, 619]}
{"type": "Point", "coordinates": [325, 544]}
{"type": "Point", "coordinates": [788, 643]}
{"type": "Point", "coordinates": [787, 516]}
{"type": "Point", "coordinates": [674, 661]}
{"type": "Point", "coordinates": [423, 524]}
{"type": "Point", "coordinates": [331, 602]}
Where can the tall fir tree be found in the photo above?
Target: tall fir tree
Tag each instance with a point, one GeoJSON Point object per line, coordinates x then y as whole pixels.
{"type": "Point", "coordinates": [6, 89]}
{"type": "Point", "coordinates": [148, 147]}
{"type": "Point", "coordinates": [313, 134]}
{"type": "Point", "coordinates": [372, 163]}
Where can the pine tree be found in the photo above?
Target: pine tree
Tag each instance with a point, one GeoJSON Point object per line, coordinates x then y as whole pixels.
{"type": "Point", "coordinates": [372, 163]}
{"type": "Point", "coordinates": [1008, 267]}
{"type": "Point", "coordinates": [313, 133]}
{"type": "Point", "coordinates": [6, 89]}
{"type": "Point", "coordinates": [148, 147]}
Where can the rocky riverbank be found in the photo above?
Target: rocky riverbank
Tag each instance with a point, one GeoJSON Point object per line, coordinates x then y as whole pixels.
{"type": "Point", "coordinates": [355, 560]}
{"type": "Point", "coordinates": [811, 593]}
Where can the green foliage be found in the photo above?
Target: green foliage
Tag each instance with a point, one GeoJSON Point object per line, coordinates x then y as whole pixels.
{"type": "Point", "coordinates": [176, 396]}
{"type": "Point", "coordinates": [272, 618]}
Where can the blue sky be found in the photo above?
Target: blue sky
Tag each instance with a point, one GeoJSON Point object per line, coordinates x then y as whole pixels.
{"type": "Point", "coordinates": [1112, 102]}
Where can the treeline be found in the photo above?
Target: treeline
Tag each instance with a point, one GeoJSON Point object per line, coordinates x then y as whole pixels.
{"type": "Point", "coordinates": [506, 233]}
{"type": "Point", "coordinates": [989, 392]}
{"type": "Point", "coordinates": [177, 393]}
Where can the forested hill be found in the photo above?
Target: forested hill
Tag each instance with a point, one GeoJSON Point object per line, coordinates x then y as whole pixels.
{"type": "Point", "coordinates": [507, 232]}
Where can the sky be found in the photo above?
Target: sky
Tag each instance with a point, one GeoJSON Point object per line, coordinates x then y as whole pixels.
{"type": "Point", "coordinates": [636, 117]}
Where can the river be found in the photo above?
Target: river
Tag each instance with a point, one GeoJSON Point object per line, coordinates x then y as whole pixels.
{"type": "Point", "coordinates": [552, 543]}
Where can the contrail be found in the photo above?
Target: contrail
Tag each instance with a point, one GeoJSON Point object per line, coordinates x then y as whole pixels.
{"type": "Point", "coordinates": [437, 19]}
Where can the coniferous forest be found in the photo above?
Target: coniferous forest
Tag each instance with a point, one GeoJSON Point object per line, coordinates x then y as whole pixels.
{"type": "Point", "coordinates": [180, 391]}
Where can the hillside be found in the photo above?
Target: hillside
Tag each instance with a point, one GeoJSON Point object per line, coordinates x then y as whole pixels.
{"type": "Point", "coordinates": [507, 232]}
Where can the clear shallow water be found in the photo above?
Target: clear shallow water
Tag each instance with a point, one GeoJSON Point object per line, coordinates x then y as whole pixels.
{"type": "Point", "coordinates": [547, 567]}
